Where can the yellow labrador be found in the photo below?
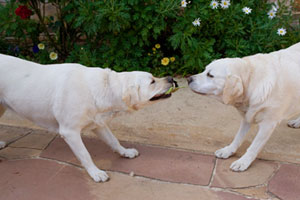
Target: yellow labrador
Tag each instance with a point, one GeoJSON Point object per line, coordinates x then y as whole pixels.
{"type": "Point", "coordinates": [68, 98]}
{"type": "Point", "coordinates": [265, 89]}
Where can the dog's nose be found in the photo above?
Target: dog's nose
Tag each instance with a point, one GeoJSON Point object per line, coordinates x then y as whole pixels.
{"type": "Point", "coordinates": [189, 79]}
{"type": "Point", "coordinates": [170, 79]}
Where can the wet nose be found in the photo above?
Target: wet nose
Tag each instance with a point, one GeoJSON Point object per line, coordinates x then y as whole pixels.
{"type": "Point", "coordinates": [189, 79]}
{"type": "Point", "coordinates": [170, 79]}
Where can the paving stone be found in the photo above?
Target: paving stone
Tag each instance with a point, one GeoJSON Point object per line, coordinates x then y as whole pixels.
{"type": "Point", "coordinates": [258, 173]}
{"type": "Point", "coordinates": [11, 133]}
{"type": "Point", "coordinates": [38, 139]}
{"type": "Point", "coordinates": [10, 118]}
{"type": "Point", "coordinates": [123, 187]}
{"type": "Point", "coordinates": [285, 184]}
{"type": "Point", "coordinates": [256, 192]}
{"type": "Point", "coordinates": [35, 179]}
{"type": "Point", "coordinates": [154, 162]}
{"type": "Point", "coordinates": [19, 153]}
{"type": "Point", "coordinates": [136, 188]}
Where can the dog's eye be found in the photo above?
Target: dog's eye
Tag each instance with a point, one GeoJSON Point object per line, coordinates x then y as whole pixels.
{"type": "Point", "coordinates": [209, 75]}
{"type": "Point", "coordinates": [152, 82]}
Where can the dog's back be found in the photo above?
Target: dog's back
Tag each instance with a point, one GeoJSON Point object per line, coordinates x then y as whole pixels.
{"type": "Point", "coordinates": [28, 88]}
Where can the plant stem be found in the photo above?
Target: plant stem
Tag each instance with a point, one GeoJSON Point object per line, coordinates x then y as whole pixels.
{"type": "Point", "coordinates": [37, 11]}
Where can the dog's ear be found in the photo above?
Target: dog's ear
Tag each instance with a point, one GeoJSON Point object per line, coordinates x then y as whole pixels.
{"type": "Point", "coordinates": [131, 97]}
{"type": "Point", "coordinates": [233, 89]}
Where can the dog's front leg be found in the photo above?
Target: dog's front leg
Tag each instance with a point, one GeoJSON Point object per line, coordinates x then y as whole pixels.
{"type": "Point", "coordinates": [108, 138]}
{"type": "Point", "coordinates": [74, 140]}
{"type": "Point", "coordinates": [229, 150]}
{"type": "Point", "coordinates": [266, 129]}
{"type": "Point", "coordinates": [294, 123]}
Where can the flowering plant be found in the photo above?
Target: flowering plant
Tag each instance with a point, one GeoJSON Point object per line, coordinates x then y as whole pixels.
{"type": "Point", "coordinates": [162, 37]}
{"type": "Point", "coordinates": [23, 12]}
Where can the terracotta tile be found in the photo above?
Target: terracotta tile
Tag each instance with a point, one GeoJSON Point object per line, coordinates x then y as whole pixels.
{"type": "Point", "coordinates": [41, 179]}
{"type": "Point", "coordinates": [286, 182]}
{"type": "Point", "coordinates": [257, 192]}
{"type": "Point", "coordinates": [59, 150]}
{"type": "Point", "coordinates": [124, 187]}
{"type": "Point", "coordinates": [19, 153]}
{"type": "Point", "coordinates": [154, 162]}
{"type": "Point", "coordinates": [258, 173]}
{"type": "Point", "coordinates": [36, 179]}
{"type": "Point", "coordinates": [11, 133]}
{"type": "Point", "coordinates": [229, 196]}
{"type": "Point", "coordinates": [37, 140]}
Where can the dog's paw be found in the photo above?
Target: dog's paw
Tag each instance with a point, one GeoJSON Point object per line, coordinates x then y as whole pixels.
{"type": "Point", "coordinates": [98, 175]}
{"type": "Point", "coordinates": [2, 144]}
{"type": "Point", "coordinates": [294, 123]}
{"type": "Point", "coordinates": [129, 153]}
{"type": "Point", "coordinates": [240, 165]}
{"type": "Point", "coordinates": [225, 152]}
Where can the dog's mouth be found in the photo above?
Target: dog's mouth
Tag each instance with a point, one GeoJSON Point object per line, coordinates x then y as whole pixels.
{"type": "Point", "coordinates": [197, 92]}
{"type": "Point", "coordinates": [160, 96]}
{"type": "Point", "coordinates": [166, 94]}
{"type": "Point", "coordinates": [201, 93]}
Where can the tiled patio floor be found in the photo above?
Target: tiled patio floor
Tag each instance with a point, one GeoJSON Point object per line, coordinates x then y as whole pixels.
{"type": "Point", "coordinates": [39, 165]}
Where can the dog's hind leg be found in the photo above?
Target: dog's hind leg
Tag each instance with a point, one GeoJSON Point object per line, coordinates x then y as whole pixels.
{"type": "Point", "coordinates": [2, 110]}
{"type": "Point", "coordinates": [294, 123]}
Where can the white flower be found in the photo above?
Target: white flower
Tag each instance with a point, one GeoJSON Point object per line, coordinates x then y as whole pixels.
{"type": "Point", "coordinates": [225, 4]}
{"type": "Point", "coordinates": [184, 3]}
{"type": "Point", "coordinates": [53, 56]}
{"type": "Point", "coordinates": [281, 31]}
{"type": "Point", "coordinates": [271, 14]}
{"type": "Point", "coordinates": [41, 46]}
{"type": "Point", "coordinates": [196, 22]}
{"type": "Point", "coordinates": [214, 4]}
{"type": "Point", "coordinates": [247, 10]}
{"type": "Point", "coordinates": [273, 11]}
{"type": "Point", "coordinates": [275, 7]}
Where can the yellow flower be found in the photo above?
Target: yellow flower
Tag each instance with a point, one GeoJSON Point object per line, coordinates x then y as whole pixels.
{"type": "Point", "coordinates": [149, 54]}
{"type": "Point", "coordinates": [41, 46]}
{"type": "Point", "coordinates": [154, 52]}
{"type": "Point", "coordinates": [165, 61]}
{"type": "Point", "coordinates": [53, 56]}
{"type": "Point", "coordinates": [172, 59]}
{"type": "Point", "coordinates": [153, 49]}
{"type": "Point", "coordinates": [157, 46]}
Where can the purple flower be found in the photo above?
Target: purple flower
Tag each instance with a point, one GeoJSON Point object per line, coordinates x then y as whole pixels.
{"type": "Point", "coordinates": [17, 50]}
{"type": "Point", "coordinates": [35, 49]}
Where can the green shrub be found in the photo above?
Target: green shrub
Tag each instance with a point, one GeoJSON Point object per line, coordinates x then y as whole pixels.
{"type": "Point", "coordinates": [122, 34]}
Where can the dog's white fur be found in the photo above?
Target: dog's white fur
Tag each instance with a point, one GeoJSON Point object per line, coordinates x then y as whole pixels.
{"type": "Point", "coordinates": [68, 98]}
{"type": "Point", "coordinates": [265, 88]}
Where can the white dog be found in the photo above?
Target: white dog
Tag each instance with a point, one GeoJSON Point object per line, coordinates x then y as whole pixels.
{"type": "Point", "coordinates": [68, 98]}
{"type": "Point", "coordinates": [265, 89]}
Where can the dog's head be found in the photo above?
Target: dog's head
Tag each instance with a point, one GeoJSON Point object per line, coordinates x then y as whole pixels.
{"type": "Point", "coordinates": [222, 79]}
{"type": "Point", "coordinates": [141, 88]}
